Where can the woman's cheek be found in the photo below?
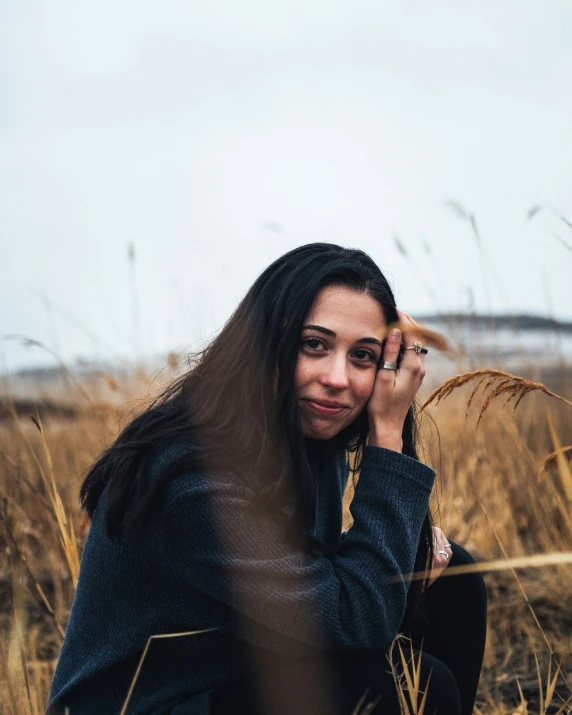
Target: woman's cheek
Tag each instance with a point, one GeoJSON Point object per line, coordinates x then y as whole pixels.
{"type": "Point", "coordinates": [366, 390]}
{"type": "Point", "coordinates": [300, 371]}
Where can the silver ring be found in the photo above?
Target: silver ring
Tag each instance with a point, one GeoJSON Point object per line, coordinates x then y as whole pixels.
{"type": "Point", "coordinates": [389, 365]}
{"type": "Point", "coordinates": [445, 554]}
{"type": "Point", "coordinates": [447, 545]}
{"type": "Point", "coordinates": [418, 347]}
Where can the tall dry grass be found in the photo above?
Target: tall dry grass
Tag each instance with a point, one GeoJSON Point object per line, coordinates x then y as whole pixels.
{"type": "Point", "coordinates": [504, 492]}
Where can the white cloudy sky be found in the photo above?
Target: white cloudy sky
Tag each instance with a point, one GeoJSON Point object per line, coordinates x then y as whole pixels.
{"type": "Point", "coordinates": [215, 136]}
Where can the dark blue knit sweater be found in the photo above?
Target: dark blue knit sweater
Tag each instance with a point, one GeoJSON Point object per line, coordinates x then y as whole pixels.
{"type": "Point", "coordinates": [209, 560]}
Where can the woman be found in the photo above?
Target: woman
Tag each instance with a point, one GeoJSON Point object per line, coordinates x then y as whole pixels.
{"type": "Point", "coordinates": [217, 521]}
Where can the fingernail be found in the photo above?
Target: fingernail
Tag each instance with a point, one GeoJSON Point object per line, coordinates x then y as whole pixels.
{"type": "Point", "coordinates": [395, 333]}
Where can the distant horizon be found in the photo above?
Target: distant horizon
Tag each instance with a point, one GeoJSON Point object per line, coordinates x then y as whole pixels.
{"type": "Point", "coordinates": [49, 365]}
{"type": "Point", "coordinates": [543, 321]}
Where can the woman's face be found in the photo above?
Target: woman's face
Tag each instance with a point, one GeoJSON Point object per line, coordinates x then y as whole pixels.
{"type": "Point", "coordinates": [340, 347]}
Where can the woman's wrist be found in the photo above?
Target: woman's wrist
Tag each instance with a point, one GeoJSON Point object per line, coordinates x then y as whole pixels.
{"type": "Point", "coordinates": [388, 439]}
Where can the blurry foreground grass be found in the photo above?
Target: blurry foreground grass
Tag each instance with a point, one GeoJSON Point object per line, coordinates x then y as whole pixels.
{"type": "Point", "coordinates": [497, 494]}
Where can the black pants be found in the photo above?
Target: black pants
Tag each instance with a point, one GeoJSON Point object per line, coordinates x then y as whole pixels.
{"type": "Point", "coordinates": [452, 646]}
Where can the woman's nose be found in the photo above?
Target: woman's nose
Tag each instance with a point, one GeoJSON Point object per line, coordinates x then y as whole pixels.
{"type": "Point", "coordinates": [335, 375]}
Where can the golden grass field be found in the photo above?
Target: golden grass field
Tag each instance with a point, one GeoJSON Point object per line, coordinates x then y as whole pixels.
{"type": "Point", "coordinates": [497, 494]}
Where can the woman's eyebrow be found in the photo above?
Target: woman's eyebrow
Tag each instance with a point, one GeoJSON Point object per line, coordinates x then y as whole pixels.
{"type": "Point", "coordinates": [320, 329]}
{"type": "Point", "coordinates": [327, 331]}
{"type": "Point", "coordinates": [372, 341]}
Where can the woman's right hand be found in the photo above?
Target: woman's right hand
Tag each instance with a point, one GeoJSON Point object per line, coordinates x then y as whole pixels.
{"type": "Point", "coordinates": [395, 390]}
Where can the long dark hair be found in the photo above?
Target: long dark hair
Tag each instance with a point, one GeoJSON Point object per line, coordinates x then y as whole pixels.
{"type": "Point", "coordinates": [237, 403]}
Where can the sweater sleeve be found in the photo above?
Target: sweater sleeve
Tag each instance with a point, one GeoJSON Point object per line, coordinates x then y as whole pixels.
{"type": "Point", "coordinates": [220, 545]}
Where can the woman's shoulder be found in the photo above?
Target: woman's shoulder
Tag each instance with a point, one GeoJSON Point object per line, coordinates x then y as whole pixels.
{"type": "Point", "coordinates": [188, 476]}
{"type": "Point", "coordinates": [173, 454]}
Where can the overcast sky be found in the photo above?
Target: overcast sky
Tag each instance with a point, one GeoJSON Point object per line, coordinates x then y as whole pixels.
{"type": "Point", "coordinates": [215, 136]}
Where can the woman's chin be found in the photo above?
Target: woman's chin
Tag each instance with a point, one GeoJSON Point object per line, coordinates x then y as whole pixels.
{"type": "Point", "coordinates": [321, 432]}
{"type": "Point", "coordinates": [318, 435]}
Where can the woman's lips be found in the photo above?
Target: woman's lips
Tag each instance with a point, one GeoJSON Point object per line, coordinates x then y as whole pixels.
{"type": "Point", "coordinates": [322, 409]}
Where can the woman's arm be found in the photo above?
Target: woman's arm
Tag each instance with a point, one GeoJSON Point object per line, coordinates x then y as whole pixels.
{"type": "Point", "coordinates": [217, 542]}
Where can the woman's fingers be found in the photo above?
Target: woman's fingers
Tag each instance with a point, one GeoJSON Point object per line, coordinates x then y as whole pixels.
{"type": "Point", "coordinates": [395, 387]}
{"type": "Point", "coordinates": [392, 346]}
{"type": "Point", "coordinates": [442, 553]}
{"type": "Point", "coordinates": [405, 317]}
{"type": "Point", "coordinates": [415, 361]}
{"type": "Point", "coordinates": [409, 325]}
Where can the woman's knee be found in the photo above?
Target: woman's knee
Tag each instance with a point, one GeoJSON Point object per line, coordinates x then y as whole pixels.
{"type": "Point", "coordinates": [473, 581]}
{"type": "Point", "coordinates": [460, 555]}
{"type": "Point", "coordinates": [377, 677]}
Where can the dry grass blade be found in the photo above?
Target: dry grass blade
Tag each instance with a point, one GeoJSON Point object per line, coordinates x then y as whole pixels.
{"type": "Point", "coordinates": [517, 562]}
{"type": "Point", "coordinates": [461, 212]}
{"type": "Point", "coordinates": [540, 690]}
{"type": "Point", "coordinates": [404, 707]}
{"type": "Point", "coordinates": [397, 678]}
{"type": "Point", "coordinates": [552, 460]}
{"type": "Point", "coordinates": [23, 477]}
{"type": "Point", "coordinates": [66, 529]}
{"type": "Point", "coordinates": [531, 213]}
{"type": "Point", "coordinates": [519, 582]}
{"type": "Point", "coordinates": [565, 707]}
{"type": "Point", "coordinates": [400, 246]}
{"type": "Point", "coordinates": [495, 383]}
{"type": "Point", "coordinates": [561, 241]}
{"type": "Point", "coordinates": [18, 662]}
{"type": "Point", "coordinates": [522, 590]}
{"type": "Point", "coordinates": [356, 710]}
{"type": "Point", "coordinates": [417, 671]}
{"type": "Point", "coordinates": [15, 547]}
{"type": "Point", "coordinates": [160, 636]}
{"type": "Point", "coordinates": [457, 208]}
{"type": "Point", "coordinates": [411, 677]}
{"type": "Point", "coordinates": [551, 685]}
{"type": "Point", "coordinates": [523, 705]}
{"type": "Point", "coordinates": [546, 698]}
{"type": "Point", "coordinates": [22, 653]}
{"type": "Point", "coordinates": [8, 695]}
{"type": "Point", "coordinates": [67, 538]}
{"type": "Point", "coordinates": [368, 706]}
{"type": "Point", "coordinates": [424, 698]}
{"type": "Point", "coordinates": [562, 462]}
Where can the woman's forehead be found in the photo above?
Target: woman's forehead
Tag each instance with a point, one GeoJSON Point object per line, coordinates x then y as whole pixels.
{"type": "Point", "coordinates": [347, 309]}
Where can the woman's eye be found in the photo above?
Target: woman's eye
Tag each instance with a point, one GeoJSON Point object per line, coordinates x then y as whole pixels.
{"type": "Point", "coordinates": [312, 343]}
{"type": "Point", "coordinates": [365, 356]}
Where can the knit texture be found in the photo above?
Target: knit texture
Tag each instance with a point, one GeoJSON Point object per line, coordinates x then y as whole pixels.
{"type": "Point", "coordinates": [210, 559]}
